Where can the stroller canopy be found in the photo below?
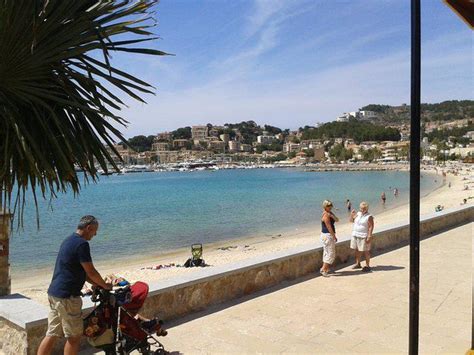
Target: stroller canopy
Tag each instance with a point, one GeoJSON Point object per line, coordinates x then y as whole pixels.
{"type": "Point", "coordinates": [139, 293]}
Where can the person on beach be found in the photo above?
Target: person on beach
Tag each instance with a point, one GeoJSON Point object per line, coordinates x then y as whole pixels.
{"type": "Point", "coordinates": [73, 267]}
{"type": "Point", "coordinates": [328, 237]}
{"type": "Point", "coordinates": [348, 205]}
{"type": "Point", "coordinates": [362, 228]}
{"type": "Point", "coordinates": [395, 192]}
{"type": "Point", "coordinates": [383, 197]}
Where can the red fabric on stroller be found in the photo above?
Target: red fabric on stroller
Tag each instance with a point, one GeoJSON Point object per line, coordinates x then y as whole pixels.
{"type": "Point", "coordinates": [139, 292]}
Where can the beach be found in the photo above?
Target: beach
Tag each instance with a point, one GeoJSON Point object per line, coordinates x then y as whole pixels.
{"type": "Point", "coordinates": [450, 194]}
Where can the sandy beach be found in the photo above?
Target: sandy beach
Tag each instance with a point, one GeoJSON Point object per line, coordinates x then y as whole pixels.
{"type": "Point", "coordinates": [450, 194]}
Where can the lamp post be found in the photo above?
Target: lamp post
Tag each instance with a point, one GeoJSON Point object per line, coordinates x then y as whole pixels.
{"type": "Point", "coordinates": [415, 131]}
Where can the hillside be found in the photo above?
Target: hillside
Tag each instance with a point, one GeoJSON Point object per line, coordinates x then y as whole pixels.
{"type": "Point", "coordinates": [354, 129]}
{"type": "Point", "coordinates": [443, 111]}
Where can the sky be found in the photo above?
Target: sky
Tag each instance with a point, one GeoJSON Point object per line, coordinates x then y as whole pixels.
{"type": "Point", "coordinates": [291, 63]}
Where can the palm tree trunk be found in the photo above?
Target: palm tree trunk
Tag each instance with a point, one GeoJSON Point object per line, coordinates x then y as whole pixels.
{"type": "Point", "coordinates": [5, 281]}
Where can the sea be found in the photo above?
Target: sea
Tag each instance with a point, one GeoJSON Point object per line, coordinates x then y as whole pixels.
{"type": "Point", "coordinates": [151, 213]}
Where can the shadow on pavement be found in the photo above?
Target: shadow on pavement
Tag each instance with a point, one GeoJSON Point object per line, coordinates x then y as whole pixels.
{"type": "Point", "coordinates": [373, 269]}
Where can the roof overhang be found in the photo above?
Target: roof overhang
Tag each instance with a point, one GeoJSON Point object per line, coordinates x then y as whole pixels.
{"type": "Point", "coordinates": [464, 9]}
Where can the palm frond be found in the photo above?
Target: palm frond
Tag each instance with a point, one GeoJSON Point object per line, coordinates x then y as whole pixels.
{"type": "Point", "coordinates": [57, 95]}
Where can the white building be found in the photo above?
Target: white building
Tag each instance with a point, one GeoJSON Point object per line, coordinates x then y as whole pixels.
{"type": "Point", "coordinates": [343, 118]}
{"type": "Point", "coordinates": [234, 146]}
{"type": "Point", "coordinates": [265, 139]}
{"type": "Point", "coordinates": [469, 135]}
{"type": "Point", "coordinates": [463, 152]}
{"type": "Point", "coordinates": [199, 133]}
{"type": "Point", "coordinates": [216, 145]}
{"type": "Point", "coordinates": [245, 147]}
{"type": "Point", "coordinates": [367, 114]}
{"type": "Point", "coordinates": [291, 147]}
{"type": "Point", "coordinates": [160, 146]}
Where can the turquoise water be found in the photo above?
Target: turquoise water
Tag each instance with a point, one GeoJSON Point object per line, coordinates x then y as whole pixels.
{"type": "Point", "coordinates": [149, 213]}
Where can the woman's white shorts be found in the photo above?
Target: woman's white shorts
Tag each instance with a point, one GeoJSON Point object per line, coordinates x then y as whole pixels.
{"type": "Point", "coordinates": [360, 244]}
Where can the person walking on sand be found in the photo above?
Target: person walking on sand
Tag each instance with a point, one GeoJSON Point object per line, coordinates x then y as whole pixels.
{"type": "Point", "coordinates": [328, 237]}
{"type": "Point", "coordinates": [362, 230]}
{"type": "Point", "coordinates": [383, 197]}
{"type": "Point", "coordinates": [73, 267]}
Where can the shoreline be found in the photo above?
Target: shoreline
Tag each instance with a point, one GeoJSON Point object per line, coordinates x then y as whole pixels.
{"type": "Point", "coordinates": [34, 284]}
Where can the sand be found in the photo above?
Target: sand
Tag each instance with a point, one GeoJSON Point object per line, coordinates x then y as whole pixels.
{"type": "Point", "coordinates": [450, 194]}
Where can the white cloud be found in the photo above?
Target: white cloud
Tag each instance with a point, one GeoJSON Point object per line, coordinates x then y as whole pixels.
{"type": "Point", "coordinates": [231, 93]}
{"type": "Point", "coordinates": [263, 12]}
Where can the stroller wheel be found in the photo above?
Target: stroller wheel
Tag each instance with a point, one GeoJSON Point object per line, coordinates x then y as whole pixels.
{"type": "Point", "coordinates": [145, 350]}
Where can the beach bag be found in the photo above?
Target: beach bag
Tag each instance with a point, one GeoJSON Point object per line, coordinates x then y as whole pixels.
{"type": "Point", "coordinates": [194, 262]}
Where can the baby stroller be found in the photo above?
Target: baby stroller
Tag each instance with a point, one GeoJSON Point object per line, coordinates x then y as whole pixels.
{"type": "Point", "coordinates": [112, 327]}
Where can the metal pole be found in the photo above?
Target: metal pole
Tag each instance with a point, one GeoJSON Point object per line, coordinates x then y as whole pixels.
{"type": "Point", "coordinates": [415, 177]}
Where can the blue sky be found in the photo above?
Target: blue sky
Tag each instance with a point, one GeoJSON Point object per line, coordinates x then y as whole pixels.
{"type": "Point", "coordinates": [292, 63]}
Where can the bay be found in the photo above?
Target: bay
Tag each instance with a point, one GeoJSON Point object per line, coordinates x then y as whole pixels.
{"type": "Point", "coordinates": [148, 213]}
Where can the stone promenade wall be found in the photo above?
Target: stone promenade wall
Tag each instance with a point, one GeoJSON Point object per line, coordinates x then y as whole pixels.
{"type": "Point", "coordinates": [176, 298]}
{"type": "Point", "coordinates": [20, 333]}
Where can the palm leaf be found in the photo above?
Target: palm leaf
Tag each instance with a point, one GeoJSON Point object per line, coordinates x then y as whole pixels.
{"type": "Point", "coordinates": [57, 95]}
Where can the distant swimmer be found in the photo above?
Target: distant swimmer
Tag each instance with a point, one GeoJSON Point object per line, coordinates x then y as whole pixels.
{"type": "Point", "coordinates": [383, 197]}
{"type": "Point", "coordinates": [395, 192]}
{"type": "Point", "coordinates": [349, 205]}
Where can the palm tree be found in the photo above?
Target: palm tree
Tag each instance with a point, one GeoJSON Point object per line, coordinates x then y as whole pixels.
{"type": "Point", "coordinates": [59, 92]}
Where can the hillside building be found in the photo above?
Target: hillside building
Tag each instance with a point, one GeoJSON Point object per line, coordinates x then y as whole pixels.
{"type": "Point", "coordinates": [199, 133]}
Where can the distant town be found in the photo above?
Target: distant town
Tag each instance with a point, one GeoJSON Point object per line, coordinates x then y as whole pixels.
{"type": "Point", "coordinates": [375, 133]}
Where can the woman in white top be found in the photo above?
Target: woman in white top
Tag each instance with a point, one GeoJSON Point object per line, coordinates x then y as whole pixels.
{"type": "Point", "coordinates": [362, 234]}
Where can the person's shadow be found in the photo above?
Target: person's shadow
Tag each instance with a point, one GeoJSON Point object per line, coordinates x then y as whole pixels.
{"type": "Point", "coordinates": [373, 269]}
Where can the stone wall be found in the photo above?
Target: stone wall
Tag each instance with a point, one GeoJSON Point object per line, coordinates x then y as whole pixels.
{"type": "Point", "coordinates": [233, 281]}
{"type": "Point", "coordinates": [13, 338]}
{"type": "Point", "coordinates": [209, 286]}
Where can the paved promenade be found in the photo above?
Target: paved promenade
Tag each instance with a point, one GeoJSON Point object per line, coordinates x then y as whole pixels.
{"type": "Point", "coordinates": [349, 312]}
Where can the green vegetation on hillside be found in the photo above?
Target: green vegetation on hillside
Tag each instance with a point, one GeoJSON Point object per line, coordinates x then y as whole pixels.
{"type": "Point", "coordinates": [249, 130]}
{"type": "Point", "coordinates": [443, 111]}
{"type": "Point", "coordinates": [141, 143]}
{"type": "Point", "coordinates": [339, 153]}
{"type": "Point", "coordinates": [357, 130]}
{"type": "Point", "coordinates": [456, 134]}
{"type": "Point", "coordinates": [182, 133]}
{"type": "Point", "coordinates": [376, 108]}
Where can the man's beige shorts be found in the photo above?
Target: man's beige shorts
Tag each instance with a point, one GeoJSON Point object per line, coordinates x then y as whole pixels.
{"type": "Point", "coordinates": [360, 244]}
{"type": "Point", "coordinates": [65, 317]}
